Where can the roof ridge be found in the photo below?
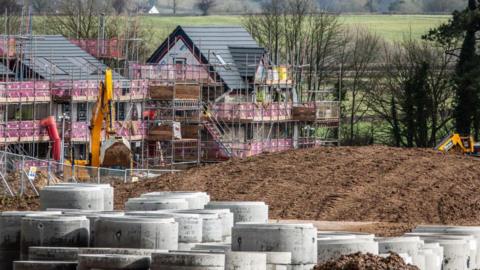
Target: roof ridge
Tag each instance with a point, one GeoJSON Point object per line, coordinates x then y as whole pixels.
{"type": "Point", "coordinates": [212, 26]}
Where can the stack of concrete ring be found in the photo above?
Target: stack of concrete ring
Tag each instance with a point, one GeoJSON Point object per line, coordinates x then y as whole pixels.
{"type": "Point", "coordinates": [77, 228]}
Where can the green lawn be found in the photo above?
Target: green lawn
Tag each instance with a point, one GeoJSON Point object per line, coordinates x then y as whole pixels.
{"type": "Point", "coordinates": [391, 27]}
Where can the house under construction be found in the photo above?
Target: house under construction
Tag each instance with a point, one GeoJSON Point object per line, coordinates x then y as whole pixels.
{"type": "Point", "coordinates": [207, 94]}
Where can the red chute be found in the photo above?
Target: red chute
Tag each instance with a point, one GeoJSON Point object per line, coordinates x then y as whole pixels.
{"type": "Point", "coordinates": [52, 130]}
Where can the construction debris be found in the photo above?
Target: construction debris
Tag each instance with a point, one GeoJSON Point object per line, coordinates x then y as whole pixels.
{"type": "Point", "coordinates": [366, 262]}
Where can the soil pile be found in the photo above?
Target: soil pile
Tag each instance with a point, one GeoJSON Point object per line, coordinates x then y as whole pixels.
{"type": "Point", "coordinates": [366, 262]}
{"type": "Point", "coordinates": [349, 184]}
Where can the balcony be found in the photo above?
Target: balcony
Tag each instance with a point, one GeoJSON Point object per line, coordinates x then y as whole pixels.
{"type": "Point", "coordinates": [253, 112]}
{"type": "Point", "coordinates": [327, 112]}
{"type": "Point", "coordinates": [16, 92]}
{"type": "Point", "coordinates": [87, 91]}
{"type": "Point", "coordinates": [80, 132]}
{"type": "Point", "coordinates": [172, 73]}
{"type": "Point", "coordinates": [22, 131]}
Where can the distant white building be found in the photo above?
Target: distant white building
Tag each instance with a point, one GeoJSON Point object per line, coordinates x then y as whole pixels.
{"type": "Point", "coordinates": [154, 10]}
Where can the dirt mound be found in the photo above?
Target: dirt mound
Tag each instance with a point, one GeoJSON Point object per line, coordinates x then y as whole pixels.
{"type": "Point", "coordinates": [354, 184]}
{"type": "Point", "coordinates": [366, 262]}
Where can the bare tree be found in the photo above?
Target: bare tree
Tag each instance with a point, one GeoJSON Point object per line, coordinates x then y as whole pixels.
{"type": "Point", "coordinates": [267, 28]}
{"type": "Point", "coordinates": [92, 19]}
{"type": "Point", "coordinates": [120, 6]}
{"type": "Point", "coordinates": [11, 6]}
{"type": "Point", "coordinates": [40, 6]}
{"type": "Point", "coordinates": [361, 55]}
{"type": "Point", "coordinates": [414, 94]}
{"type": "Point", "coordinates": [174, 6]}
{"type": "Point", "coordinates": [10, 16]}
{"type": "Point", "coordinates": [205, 6]}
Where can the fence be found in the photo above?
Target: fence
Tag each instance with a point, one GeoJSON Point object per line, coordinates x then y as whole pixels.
{"type": "Point", "coordinates": [24, 175]}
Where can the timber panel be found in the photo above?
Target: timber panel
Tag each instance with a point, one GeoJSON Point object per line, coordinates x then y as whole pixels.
{"type": "Point", "coordinates": [177, 91]}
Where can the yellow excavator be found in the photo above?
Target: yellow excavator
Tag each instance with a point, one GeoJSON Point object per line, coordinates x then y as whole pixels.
{"type": "Point", "coordinates": [460, 144]}
{"type": "Point", "coordinates": [112, 151]}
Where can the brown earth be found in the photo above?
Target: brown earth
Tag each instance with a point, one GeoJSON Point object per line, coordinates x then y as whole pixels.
{"type": "Point", "coordinates": [366, 262]}
{"type": "Point", "coordinates": [400, 186]}
{"type": "Point", "coordinates": [352, 184]}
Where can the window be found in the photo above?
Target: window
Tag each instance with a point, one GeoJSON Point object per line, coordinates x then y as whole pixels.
{"type": "Point", "coordinates": [220, 59]}
{"type": "Point", "coordinates": [82, 112]}
{"type": "Point", "coordinates": [121, 111]}
{"type": "Point", "coordinates": [180, 65]}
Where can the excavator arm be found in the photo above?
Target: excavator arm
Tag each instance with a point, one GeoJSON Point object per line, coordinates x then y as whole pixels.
{"type": "Point", "coordinates": [103, 111]}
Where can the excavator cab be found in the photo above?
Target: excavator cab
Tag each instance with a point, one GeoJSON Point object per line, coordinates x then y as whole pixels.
{"type": "Point", "coordinates": [462, 144]}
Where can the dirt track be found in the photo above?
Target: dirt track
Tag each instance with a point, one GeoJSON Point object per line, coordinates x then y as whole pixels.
{"type": "Point", "coordinates": [354, 184]}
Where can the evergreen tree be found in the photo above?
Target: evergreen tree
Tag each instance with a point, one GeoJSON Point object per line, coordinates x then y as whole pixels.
{"type": "Point", "coordinates": [464, 26]}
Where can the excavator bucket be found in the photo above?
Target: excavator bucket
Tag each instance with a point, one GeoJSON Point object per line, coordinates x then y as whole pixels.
{"type": "Point", "coordinates": [116, 153]}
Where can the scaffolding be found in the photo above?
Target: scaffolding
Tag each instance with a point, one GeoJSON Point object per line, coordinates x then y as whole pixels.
{"type": "Point", "coordinates": [270, 113]}
{"type": "Point", "coordinates": [175, 115]}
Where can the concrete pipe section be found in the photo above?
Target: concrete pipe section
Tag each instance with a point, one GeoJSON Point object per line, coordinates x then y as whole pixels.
{"type": "Point", "coordinates": [72, 197]}
{"type": "Point", "coordinates": [53, 253]}
{"type": "Point", "coordinates": [456, 254]}
{"type": "Point", "coordinates": [214, 247]}
{"type": "Point", "coordinates": [187, 261]}
{"type": "Point", "coordinates": [10, 231]}
{"type": "Point", "coordinates": [212, 226]}
{"type": "Point", "coordinates": [189, 225]}
{"type": "Point", "coordinates": [455, 231]}
{"type": "Point", "coordinates": [470, 239]}
{"type": "Point", "coordinates": [278, 260]}
{"type": "Point", "coordinates": [93, 217]}
{"type": "Point", "coordinates": [196, 200]}
{"type": "Point", "coordinates": [108, 193]}
{"type": "Point", "coordinates": [333, 248]}
{"type": "Point", "coordinates": [136, 232]}
{"type": "Point", "coordinates": [54, 231]}
{"type": "Point", "coordinates": [226, 218]}
{"type": "Point", "coordinates": [357, 235]}
{"type": "Point", "coordinates": [299, 239]}
{"type": "Point", "coordinates": [256, 212]}
{"type": "Point", "coordinates": [409, 245]}
{"type": "Point", "coordinates": [153, 204]}
{"type": "Point", "coordinates": [245, 261]}
{"type": "Point", "coordinates": [119, 251]}
{"type": "Point", "coordinates": [114, 262]}
{"type": "Point", "coordinates": [430, 261]}
{"type": "Point", "coordinates": [44, 265]}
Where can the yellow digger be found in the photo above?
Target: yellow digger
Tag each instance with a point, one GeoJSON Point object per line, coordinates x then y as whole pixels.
{"type": "Point", "coordinates": [112, 151]}
{"type": "Point", "coordinates": [461, 144]}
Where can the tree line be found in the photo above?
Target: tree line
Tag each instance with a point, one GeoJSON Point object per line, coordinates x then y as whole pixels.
{"type": "Point", "coordinates": [253, 6]}
{"type": "Point", "coordinates": [408, 93]}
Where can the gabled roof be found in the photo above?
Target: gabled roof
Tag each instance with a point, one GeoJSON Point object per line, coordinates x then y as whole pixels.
{"type": "Point", "coordinates": [223, 47]}
{"type": "Point", "coordinates": [247, 59]}
{"type": "Point", "coordinates": [56, 58]}
{"type": "Point", "coordinates": [154, 10]}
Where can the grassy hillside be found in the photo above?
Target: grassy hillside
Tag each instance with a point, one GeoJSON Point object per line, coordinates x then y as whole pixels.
{"type": "Point", "coordinates": [391, 27]}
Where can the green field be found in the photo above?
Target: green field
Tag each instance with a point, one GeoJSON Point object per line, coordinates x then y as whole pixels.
{"type": "Point", "coordinates": [395, 27]}
{"type": "Point", "coordinates": [391, 27]}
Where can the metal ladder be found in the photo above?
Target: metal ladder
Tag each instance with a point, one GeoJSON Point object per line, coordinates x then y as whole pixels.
{"type": "Point", "coordinates": [214, 128]}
